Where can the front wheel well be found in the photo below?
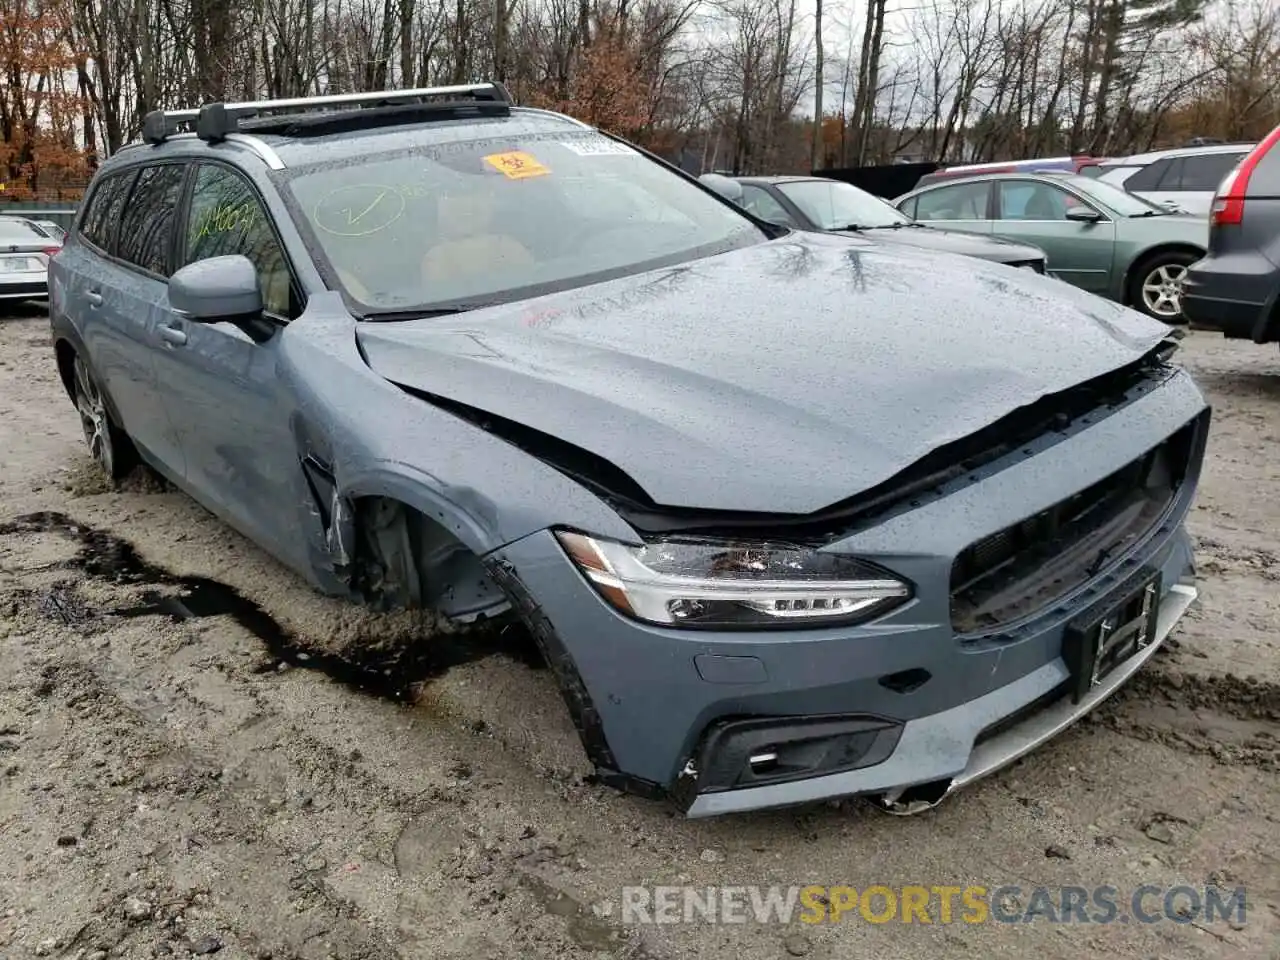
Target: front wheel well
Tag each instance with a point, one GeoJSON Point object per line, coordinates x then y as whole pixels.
{"type": "Point", "coordinates": [65, 355]}
{"type": "Point", "coordinates": [405, 560]}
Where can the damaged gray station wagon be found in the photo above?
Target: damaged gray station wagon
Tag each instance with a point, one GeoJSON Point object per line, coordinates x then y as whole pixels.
{"type": "Point", "coordinates": [791, 516]}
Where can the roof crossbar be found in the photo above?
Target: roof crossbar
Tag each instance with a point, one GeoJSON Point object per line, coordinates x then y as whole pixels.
{"type": "Point", "coordinates": [214, 121]}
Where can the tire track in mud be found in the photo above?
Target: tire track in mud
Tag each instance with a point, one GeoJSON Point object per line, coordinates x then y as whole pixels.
{"type": "Point", "coordinates": [1233, 720]}
{"type": "Point", "coordinates": [220, 850]}
{"type": "Point", "coordinates": [289, 784]}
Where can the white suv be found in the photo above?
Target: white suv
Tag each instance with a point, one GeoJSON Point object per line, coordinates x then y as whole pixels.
{"type": "Point", "coordinates": [1184, 178]}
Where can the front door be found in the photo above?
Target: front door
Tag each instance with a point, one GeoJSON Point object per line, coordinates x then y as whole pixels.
{"type": "Point", "coordinates": [1035, 212]}
{"type": "Point", "coordinates": [223, 378]}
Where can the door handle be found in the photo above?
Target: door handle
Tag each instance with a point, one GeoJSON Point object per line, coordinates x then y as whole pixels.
{"type": "Point", "coordinates": [94, 298]}
{"type": "Point", "coordinates": [174, 336]}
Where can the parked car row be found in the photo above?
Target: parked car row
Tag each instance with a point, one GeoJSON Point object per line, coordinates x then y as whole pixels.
{"type": "Point", "coordinates": [1084, 231]}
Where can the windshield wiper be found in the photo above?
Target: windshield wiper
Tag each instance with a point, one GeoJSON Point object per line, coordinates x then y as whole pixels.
{"type": "Point", "coordinates": [1153, 213]}
{"type": "Point", "coordinates": [860, 227]}
{"type": "Point", "coordinates": [424, 313]}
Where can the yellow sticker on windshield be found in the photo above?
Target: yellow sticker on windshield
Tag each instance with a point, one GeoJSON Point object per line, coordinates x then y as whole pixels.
{"type": "Point", "coordinates": [516, 165]}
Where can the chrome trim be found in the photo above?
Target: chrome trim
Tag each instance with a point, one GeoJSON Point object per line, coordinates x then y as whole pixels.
{"type": "Point", "coordinates": [1019, 740]}
{"type": "Point", "coordinates": [258, 146]}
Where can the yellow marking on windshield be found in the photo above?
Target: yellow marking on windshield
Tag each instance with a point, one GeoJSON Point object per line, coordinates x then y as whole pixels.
{"type": "Point", "coordinates": [516, 165]}
{"type": "Point", "coordinates": [348, 210]}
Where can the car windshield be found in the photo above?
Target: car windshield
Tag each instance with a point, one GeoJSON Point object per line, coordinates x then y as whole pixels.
{"type": "Point", "coordinates": [833, 205]}
{"type": "Point", "coordinates": [1124, 204]}
{"type": "Point", "coordinates": [488, 221]}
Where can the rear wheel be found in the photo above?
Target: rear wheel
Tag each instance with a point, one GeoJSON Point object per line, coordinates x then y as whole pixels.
{"type": "Point", "coordinates": [109, 445]}
{"type": "Point", "coordinates": [1156, 286]}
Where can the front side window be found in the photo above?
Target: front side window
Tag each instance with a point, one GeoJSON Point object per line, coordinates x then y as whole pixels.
{"type": "Point", "coordinates": [1027, 200]}
{"type": "Point", "coordinates": [226, 218]}
{"type": "Point", "coordinates": [449, 226]}
{"type": "Point", "coordinates": [1149, 177]}
{"type": "Point", "coordinates": [833, 205]}
{"type": "Point", "coordinates": [146, 226]}
{"type": "Point", "coordinates": [962, 201]}
{"type": "Point", "coordinates": [759, 202]}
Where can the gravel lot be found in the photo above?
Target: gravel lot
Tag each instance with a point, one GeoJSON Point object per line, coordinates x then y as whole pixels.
{"type": "Point", "coordinates": [283, 776]}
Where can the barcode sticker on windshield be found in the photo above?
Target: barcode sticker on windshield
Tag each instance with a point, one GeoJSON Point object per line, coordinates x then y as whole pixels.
{"type": "Point", "coordinates": [598, 148]}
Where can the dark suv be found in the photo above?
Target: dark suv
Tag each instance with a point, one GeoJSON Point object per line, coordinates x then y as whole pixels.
{"type": "Point", "coordinates": [1235, 288]}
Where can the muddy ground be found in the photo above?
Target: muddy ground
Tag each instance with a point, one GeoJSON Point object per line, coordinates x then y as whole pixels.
{"type": "Point", "coordinates": [277, 775]}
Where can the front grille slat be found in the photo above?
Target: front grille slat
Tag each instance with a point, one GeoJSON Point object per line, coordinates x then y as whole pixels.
{"type": "Point", "coordinates": [1031, 564]}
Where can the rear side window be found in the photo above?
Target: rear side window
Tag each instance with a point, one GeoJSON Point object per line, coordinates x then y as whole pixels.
{"type": "Point", "coordinates": [146, 228]}
{"type": "Point", "coordinates": [103, 213]}
{"type": "Point", "coordinates": [1204, 173]}
{"type": "Point", "coordinates": [963, 201]}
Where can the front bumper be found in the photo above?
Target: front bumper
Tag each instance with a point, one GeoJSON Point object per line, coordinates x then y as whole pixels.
{"type": "Point", "coordinates": [942, 748]}
{"type": "Point", "coordinates": [647, 699]}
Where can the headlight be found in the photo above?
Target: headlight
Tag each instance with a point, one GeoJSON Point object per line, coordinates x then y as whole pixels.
{"type": "Point", "coordinates": [716, 583]}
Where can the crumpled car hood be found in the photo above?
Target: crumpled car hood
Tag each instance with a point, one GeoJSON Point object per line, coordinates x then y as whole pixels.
{"type": "Point", "coordinates": [780, 378]}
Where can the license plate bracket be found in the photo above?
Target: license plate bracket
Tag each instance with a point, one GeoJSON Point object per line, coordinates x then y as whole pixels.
{"type": "Point", "coordinates": [1110, 632]}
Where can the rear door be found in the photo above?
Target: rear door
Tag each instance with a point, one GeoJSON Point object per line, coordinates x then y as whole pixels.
{"type": "Point", "coordinates": [137, 302]}
{"type": "Point", "coordinates": [1035, 212]}
{"type": "Point", "coordinates": [955, 206]}
{"type": "Point", "coordinates": [99, 300]}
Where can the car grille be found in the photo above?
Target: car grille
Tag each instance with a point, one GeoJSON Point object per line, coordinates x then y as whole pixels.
{"type": "Point", "coordinates": [1025, 567]}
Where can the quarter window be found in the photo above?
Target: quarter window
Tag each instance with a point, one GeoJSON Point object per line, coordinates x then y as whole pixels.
{"type": "Point", "coordinates": [146, 226]}
{"type": "Point", "coordinates": [228, 218]}
{"type": "Point", "coordinates": [962, 201]}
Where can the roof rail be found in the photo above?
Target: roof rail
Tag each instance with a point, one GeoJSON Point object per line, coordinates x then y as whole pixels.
{"type": "Point", "coordinates": [213, 121]}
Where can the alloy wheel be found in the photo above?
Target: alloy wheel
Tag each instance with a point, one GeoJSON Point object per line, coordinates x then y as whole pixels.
{"type": "Point", "coordinates": [93, 418]}
{"type": "Point", "coordinates": [1162, 290]}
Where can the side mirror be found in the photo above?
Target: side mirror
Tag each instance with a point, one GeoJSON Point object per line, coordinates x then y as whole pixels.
{"type": "Point", "coordinates": [220, 288]}
{"type": "Point", "coordinates": [1083, 214]}
{"type": "Point", "coordinates": [727, 187]}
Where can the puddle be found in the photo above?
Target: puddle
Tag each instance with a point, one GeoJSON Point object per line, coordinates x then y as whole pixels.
{"type": "Point", "coordinates": [394, 672]}
{"type": "Point", "coordinates": [584, 927]}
